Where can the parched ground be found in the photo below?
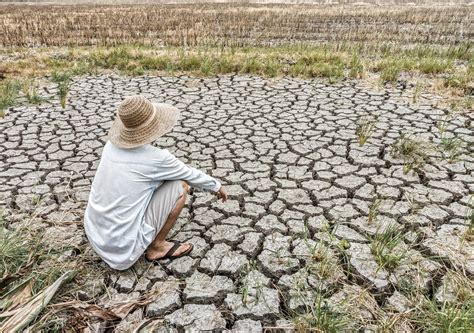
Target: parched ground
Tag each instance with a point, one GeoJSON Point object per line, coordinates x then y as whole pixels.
{"type": "Point", "coordinates": [300, 186]}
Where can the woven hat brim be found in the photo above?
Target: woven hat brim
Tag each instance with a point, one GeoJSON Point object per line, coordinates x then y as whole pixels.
{"type": "Point", "coordinates": [165, 117]}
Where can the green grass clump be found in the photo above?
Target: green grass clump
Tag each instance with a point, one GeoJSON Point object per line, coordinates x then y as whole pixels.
{"type": "Point", "coordinates": [207, 67]}
{"type": "Point", "coordinates": [357, 68]}
{"type": "Point", "coordinates": [154, 63]}
{"type": "Point", "coordinates": [463, 82]}
{"type": "Point", "coordinates": [365, 128]}
{"type": "Point", "coordinates": [299, 69]}
{"type": "Point", "coordinates": [319, 317]}
{"type": "Point", "coordinates": [374, 210]}
{"type": "Point", "coordinates": [461, 51]}
{"type": "Point", "coordinates": [119, 58]}
{"type": "Point", "coordinates": [385, 246]}
{"type": "Point", "coordinates": [320, 262]}
{"type": "Point", "coordinates": [435, 65]}
{"type": "Point", "coordinates": [455, 81]}
{"type": "Point", "coordinates": [189, 62]}
{"type": "Point", "coordinates": [333, 72]}
{"type": "Point", "coordinates": [390, 73]}
{"type": "Point", "coordinates": [30, 90]}
{"type": "Point", "coordinates": [9, 90]}
{"type": "Point", "coordinates": [251, 65]}
{"type": "Point", "coordinates": [272, 68]}
{"type": "Point", "coordinates": [63, 79]}
{"type": "Point", "coordinates": [390, 67]}
{"type": "Point", "coordinates": [412, 150]}
{"type": "Point", "coordinates": [16, 249]}
{"type": "Point", "coordinates": [445, 317]}
{"type": "Point", "coordinates": [442, 124]}
{"type": "Point", "coordinates": [225, 65]}
{"type": "Point", "coordinates": [123, 58]}
{"type": "Point", "coordinates": [451, 148]}
{"type": "Point", "coordinates": [314, 63]}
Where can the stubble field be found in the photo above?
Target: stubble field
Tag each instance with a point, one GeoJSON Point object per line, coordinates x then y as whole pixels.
{"type": "Point", "coordinates": [231, 25]}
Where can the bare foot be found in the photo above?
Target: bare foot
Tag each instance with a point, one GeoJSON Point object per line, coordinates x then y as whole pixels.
{"type": "Point", "coordinates": [158, 252]}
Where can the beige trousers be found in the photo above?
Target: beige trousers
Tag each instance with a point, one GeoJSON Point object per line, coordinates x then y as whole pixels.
{"type": "Point", "coordinates": [162, 203]}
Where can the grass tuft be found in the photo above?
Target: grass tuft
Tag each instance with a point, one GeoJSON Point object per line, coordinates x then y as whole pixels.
{"type": "Point", "coordinates": [412, 150]}
{"type": "Point", "coordinates": [390, 73]}
{"type": "Point", "coordinates": [320, 318]}
{"type": "Point", "coordinates": [435, 65]}
{"type": "Point", "coordinates": [30, 90]}
{"type": "Point", "coordinates": [374, 209]}
{"type": "Point", "coordinates": [9, 90]}
{"type": "Point", "coordinates": [451, 148]}
{"type": "Point", "coordinates": [17, 247]}
{"type": "Point", "coordinates": [445, 317]}
{"type": "Point", "coordinates": [320, 263]}
{"type": "Point", "coordinates": [357, 68]}
{"type": "Point", "coordinates": [385, 246]}
{"type": "Point", "coordinates": [63, 80]}
{"type": "Point", "coordinates": [365, 128]}
{"type": "Point", "coordinates": [443, 123]}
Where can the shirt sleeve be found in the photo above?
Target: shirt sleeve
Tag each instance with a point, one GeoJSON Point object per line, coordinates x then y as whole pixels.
{"type": "Point", "coordinates": [171, 168]}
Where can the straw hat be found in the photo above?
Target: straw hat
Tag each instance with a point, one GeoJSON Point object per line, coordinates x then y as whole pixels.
{"type": "Point", "coordinates": [140, 122]}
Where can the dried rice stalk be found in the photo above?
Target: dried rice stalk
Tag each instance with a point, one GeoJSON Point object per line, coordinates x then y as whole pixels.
{"type": "Point", "coordinates": [22, 316]}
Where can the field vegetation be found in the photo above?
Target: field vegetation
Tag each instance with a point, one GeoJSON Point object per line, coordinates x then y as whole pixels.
{"type": "Point", "coordinates": [333, 62]}
{"type": "Point", "coordinates": [229, 24]}
{"type": "Point", "coordinates": [383, 44]}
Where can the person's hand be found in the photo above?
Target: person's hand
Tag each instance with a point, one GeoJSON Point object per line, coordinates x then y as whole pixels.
{"type": "Point", "coordinates": [222, 194]}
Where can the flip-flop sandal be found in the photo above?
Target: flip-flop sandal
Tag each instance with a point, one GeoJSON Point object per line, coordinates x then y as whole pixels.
{"type": "Point", "coordinates": [169, 254]}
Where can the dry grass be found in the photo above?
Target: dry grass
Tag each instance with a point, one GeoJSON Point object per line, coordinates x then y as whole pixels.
{"type": "Point", "coordinates": [230, 24]}
{"type": "Point", "coordinates": [29, 266]}
{"type": "Point", "coordinates": [413, 151]}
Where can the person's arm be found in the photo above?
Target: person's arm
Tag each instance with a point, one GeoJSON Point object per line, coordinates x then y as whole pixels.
{"type": "Point", "coordinates": [172, 168]}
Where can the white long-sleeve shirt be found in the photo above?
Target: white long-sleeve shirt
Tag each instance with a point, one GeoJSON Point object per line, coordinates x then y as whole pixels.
{"type": "Point", "coordinates": [121, 191]}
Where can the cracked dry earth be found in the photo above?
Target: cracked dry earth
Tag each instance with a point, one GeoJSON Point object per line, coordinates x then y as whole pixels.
{"type": "Point", "coordinates": [300, 189]}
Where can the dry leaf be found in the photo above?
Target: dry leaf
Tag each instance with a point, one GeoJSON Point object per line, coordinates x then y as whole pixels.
{"type": "Point", "coordinates": [97, 311]}
{"type": "Point", "coordinates": [6, 314]}
{"type": "Point", "coordinates": [122, 310]}
{"type": "Point", "coordinates": [20, 298]}
{"type": "Point", "coordinates": [17, 295]}
{"type": "Point", "coordinates": [27, 313]}
{"type": "Point", "coordinates": [149, 325]}
{"type": "Point", "coordinates": [115, 311]}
